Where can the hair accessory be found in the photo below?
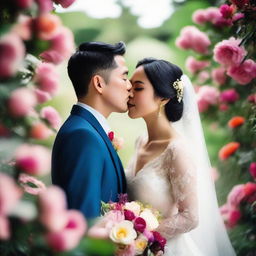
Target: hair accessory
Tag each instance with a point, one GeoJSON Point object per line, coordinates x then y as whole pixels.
{"type": "Point", "coordinates": [178, 86]}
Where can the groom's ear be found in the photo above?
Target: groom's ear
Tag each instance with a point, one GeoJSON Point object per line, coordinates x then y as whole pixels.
{"type": "Point", "coordinates": [98, 83]}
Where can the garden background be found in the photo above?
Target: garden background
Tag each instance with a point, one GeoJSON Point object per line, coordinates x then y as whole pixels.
{"type": "Point", "coordinates": [32, 94]}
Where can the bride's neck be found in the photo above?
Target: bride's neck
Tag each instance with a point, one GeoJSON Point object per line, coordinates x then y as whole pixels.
{"type": "Point", "coordinates": [159, 128]}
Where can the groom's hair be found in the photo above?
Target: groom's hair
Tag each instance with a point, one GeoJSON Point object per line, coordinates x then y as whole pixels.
{"type": "Point", "coordinates": [92, 58]}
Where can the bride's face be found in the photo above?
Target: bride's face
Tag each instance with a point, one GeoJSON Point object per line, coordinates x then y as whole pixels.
{"type": "Point", "coordinates": [143, 101]}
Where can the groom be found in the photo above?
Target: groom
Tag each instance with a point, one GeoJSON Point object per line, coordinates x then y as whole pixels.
{"type": "Point", "coordinates": [84, 161]}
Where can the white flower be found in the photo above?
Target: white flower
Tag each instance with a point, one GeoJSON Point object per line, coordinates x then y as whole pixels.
{"type": "Point", "coordinates": [140, 244]}
{"type": "Point", "coordinates": [133, 206]}
{"type": "Point", "coordinates": [118, 143]}
{"type": "Point", "coordinates": [123, 233]}
{"type": "Point", "coordinates": [150, 218]}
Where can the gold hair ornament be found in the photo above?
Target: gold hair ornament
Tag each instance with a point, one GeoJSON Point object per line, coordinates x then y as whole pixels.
{"type": "Point", "coordinates": [178, 86]}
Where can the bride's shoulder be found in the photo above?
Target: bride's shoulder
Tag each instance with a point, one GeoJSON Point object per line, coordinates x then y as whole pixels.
{"type": "Point", "coordinates": [177, 147]}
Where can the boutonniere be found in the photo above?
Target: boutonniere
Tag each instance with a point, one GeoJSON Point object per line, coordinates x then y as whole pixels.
{"type": "Point", "coordinates": [117, 142]}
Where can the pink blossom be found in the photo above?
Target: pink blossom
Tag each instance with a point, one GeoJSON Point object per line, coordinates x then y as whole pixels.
{"type": "Point", "coordinates": [229, 96]}
{"type": "Point", "coordinates": [40, 131]}
{"type": "Point", "coordinates": [47, 78]}
{"type": "Point", "coordinates": [53, 214]}
{"type": "Point", "coordinates": [203, 76]}
{"type": "Point", "coordinates": [219, 75]}
{"type": "Point", "coordinates": [234, 216]}
{"type": "Point", "coordinates": [45, 6]}
{"type": "Point", "coordinates": [194, 65]}
{"type": "Point", "coordinates": [24, 4]}
{"type": "Point", "coordinates": [199, 16]}
{"type": "Point", "coordinates": [23, 28]}
{"type": "Point", "coordinates": [12, 52]}
{"type": "Point", "coordinates": [129, 215]}
{"type": "Point", "coordinates": [235, 196]}
{"type": "Point", "coordinates": [62, 46]}
{"type": "Point", "coordinates": [149, 235]}
{"type": "Point", "coordinates": [228, 52]}
{"type": "Point", "coordinates": [140, 224]}
{"type": "Point", "coordinates": [42, 96]}
{"type": "Point", "coordinates": [213, 14]}
{"type": "Point", "coordinates": [5, 232]}
{"type": "Point", "coordinates": [252, 169]}
{"type": "Point", "coordinates": [243, 73]}
{"type": "Point", "coordinates": [223, 107]}
{"type": "Point", "coordinates": [10, 193]}
{"type": "Point", "coordinates": [52, 116]}
{"type": "Point", "coordinates": [64, 3]}
{"type": "Point", "coordinates": [237, 16]}
{"type": "Point", "coordinates": [227, 11]}
{"type": "Point", "coordinates": [209, 94]}
{"type": "Point", "coordinates": [33, 159]}
{"type": "Point", "coordinates": [70, 236]}
{"type": "Point", "coordinates": [48, 26]}
{"type": "Point", "coordinates": [25, 181]}
{"type": "Point", "coordinates": [192, 38]}
{"type": "Point", "coordinates": [252, 98]}
{"type": "Point", "coordinates": [21, 102]}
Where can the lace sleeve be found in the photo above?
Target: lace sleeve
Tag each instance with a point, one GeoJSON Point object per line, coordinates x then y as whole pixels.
{"type": "Point", "coordinates": [182, 174]}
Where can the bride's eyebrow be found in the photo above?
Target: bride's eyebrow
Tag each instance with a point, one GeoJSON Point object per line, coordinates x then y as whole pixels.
{"type": "Point", "coordinates": [136, 82]}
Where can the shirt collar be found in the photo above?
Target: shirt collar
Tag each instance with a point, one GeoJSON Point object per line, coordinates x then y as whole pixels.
{"type": "Point", "coordinates": [100, 118]}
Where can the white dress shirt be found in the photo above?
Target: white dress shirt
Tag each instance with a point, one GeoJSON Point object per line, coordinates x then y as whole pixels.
{"type": "Point", "coordinates": [100, 118]}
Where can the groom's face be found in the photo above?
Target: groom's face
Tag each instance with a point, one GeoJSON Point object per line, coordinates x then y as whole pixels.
{"type": "Point", "coordinates": [117, 90]}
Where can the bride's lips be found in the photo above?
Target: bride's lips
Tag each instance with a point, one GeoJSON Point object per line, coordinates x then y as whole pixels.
{"type": "Point", "coordinates": [130, 105]}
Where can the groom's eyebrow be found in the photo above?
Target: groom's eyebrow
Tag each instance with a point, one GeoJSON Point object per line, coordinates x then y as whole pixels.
{"type": "Point", "coordinates": [126, 72]}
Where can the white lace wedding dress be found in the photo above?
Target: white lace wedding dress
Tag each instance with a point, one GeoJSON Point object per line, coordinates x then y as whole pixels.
{"type": "Point", "coordinates": [168, 183]}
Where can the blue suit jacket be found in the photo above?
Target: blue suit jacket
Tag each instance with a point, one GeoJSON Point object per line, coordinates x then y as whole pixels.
{"type": "Point", "coordinates": [85, 164]}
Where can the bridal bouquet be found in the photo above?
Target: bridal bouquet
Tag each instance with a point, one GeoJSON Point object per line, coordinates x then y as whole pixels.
{"type": "Point", "coordinates": [131, 226]}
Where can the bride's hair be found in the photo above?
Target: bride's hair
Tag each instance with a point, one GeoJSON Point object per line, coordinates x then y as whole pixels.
{"type": "Point", "coordinates": [162, 74]}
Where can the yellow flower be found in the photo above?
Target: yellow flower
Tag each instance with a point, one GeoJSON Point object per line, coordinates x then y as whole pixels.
{"type": "Point", "coordinates": [140, 244]}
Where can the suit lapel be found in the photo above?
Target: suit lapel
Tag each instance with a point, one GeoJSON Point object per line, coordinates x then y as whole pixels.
{"type": "Point", "coordinates": [77, 110]}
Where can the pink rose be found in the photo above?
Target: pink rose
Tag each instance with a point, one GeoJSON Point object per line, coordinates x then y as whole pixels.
{"type": "Point", "coordinates": [223, 107]}
{"type": "Point", "coordinates": [192, 38]}
{"type": "Point", "coordinates": [21, 102]}
{"type": "Point", "coordinates": [203, 105]}
{"type": "Point", "coordinates": [12, 52]}
{"type": "Point", "coordinates": [42, 96]}
{"type": "Point", "coordinates": [51, 115]}
{"type": "Point", "coordinates": [10, 193]}
{"type": "Point", "coordinates": [252, 98]}
{"type": "Point", "coordinates": [209, 94]}
{"type": "Point", "coordinates": [24, 4]}
{"type": "Point", "coordinates": [203, 76]}
{"type": "Point", "coordinates": [252, 169]}
{"type": "Point", "coordinates": [69, 237]}
{"type": "Point", "coordinates": [25, 181]}
{"type": "Point", "coordinates": [243, 73]}
{"type": "Point", "coordinates": [62, 46]}
{"type": "Point", "coordinates": [213, 14]}
{"type": "Point", "coordinates": [53, 214]}
{"type": "Point", "coordinates": [64, 3]}
{"type": "Point", "coordinates": [227, 11]}
{"type": "Point", "coordinates": [237, 16]}
{"type": "Point", "coordinates": [235, 196]}
{"type": "Point", "coordinates": [194, 65]}
{"type": "Point", "coordinates": [47, 78]}
{"type": "Point", "coordinates": [234, 217]}
{"type": "Point", "coordinates": [219, 75]}
{"type": "Point", "coordinates": [199, 16]}
{"type": "Point", "coordinates": [23, 28]}
{"type": "Point", "coordinates": [45, 6]}
{"type": "Point", "coordinates": [5, 232]}
{"type": "Point", "coordinates": [129, 215]}
{"type": "Point", "coordinates": [33, 159]}
{"type": "Point", "coordinates": [228, 52]}
{"type": "Point", "coordinates": [229, 96]}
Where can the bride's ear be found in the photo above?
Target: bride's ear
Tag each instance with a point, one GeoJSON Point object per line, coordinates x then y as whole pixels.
{"type": "Point", "coordinates": [164, 101]}
{"type": "Point", "coordinates": [98, 83]}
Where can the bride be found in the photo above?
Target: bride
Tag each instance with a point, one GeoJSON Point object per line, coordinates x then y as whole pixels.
{"type": "Point", "coordinates": [170, 169]}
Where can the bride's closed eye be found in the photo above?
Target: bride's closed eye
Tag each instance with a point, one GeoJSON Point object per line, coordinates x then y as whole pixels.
{"type": "Point", "coordinates": [138, 89]}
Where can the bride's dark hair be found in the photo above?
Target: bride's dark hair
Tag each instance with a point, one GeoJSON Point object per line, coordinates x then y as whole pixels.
{"type": "Point", "coordinates": [162, 74]}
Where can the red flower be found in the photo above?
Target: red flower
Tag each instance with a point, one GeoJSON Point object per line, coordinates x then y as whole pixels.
{"type": "Point", "coordinates": [236, 121]}
{"type": "Point", "coordinates": [140, 224]}
{"type": "Point", "coordinates": [159, 239]}
{"type": "Point", "coordinates": [111, 135]}
{"type": "Point", "coordinates": [252, 169]}
{"type": "Point", "coordinates": [129, 215]}
{"type": "Point", "coordinates": [227, 150]}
